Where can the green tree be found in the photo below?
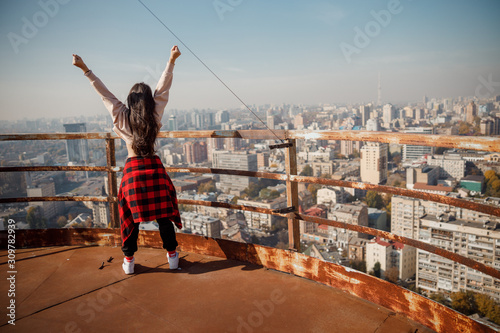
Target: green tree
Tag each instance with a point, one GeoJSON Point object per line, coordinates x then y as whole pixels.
{"type": "Point", "coordinates": [207, 187]}
{"type": "Point", "coordinates": [463, 302]}
{"type": "Point", "coordinates": [252, 191]}
{"type": "Point", "coordinates": [374, 200]}
{"type": "Point", "coordinates": [62, 221]}
{"type": "Point", "coordinates": [35, 219]}
{"type": "Point", "coordinates": [307, 171]}
{"type": "Point", "coordinates": [359, 265]}
{"type": "Point", "coordinates": [440, 298]}
{"type": "Point", "coordinates": [268, 194]}
{"type": "Point", "coordinates": [376, 270]}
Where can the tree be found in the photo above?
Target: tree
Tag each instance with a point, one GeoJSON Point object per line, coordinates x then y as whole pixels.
{"type": "Point", "coordinates": [374, 200]}
{"type": "Point", "coordinates": [392, 274]}
{"type": "Point", "coordinates": [207, 187]}
{"type": "Point", "coordinates": [87, 223]}
{"type": "Point", "coordinates": [440, 298]}
{"type": "Point", "coordinates": [313, 189]}
{"type": "Point", "coordinates": [376, 269]}
{"type": "Point", "coordinates": [62, 221]}
{"type": "Point", "coordinates": [35, 219]}
{"type": "Point", "coordinates": [490, 175]}
{"type": "Point", "coordinates": [307, 171]}
{"type": "Point", "coordinates": [463, 302]}
{"type": "Point", "coordinates": [252, 191]}
{"type": "Point", "coordinates": [186, 208]}
{"type": "Point", "coordinates": [268, 194]}
{"type": "Point", "coordinates": [495, 185]}
{"type": "Point", "coordinates": [464, 128]}
{"type": "Point", "coordinates": [359, 265]}
{"type": "Point", "coordinates": [487, 307]}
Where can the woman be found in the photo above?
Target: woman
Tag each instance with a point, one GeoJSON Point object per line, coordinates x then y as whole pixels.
{"type": "Point", "coordinates": [146, 191]}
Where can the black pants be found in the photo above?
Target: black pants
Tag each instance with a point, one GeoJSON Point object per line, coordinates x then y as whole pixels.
{"type": "Point", "coordinates": [167, 234]}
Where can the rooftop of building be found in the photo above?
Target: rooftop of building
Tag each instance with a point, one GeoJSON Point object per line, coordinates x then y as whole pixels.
{"type": "Point", "coordinates": [438, 187]}
{"type": "Point", "coordinates": [451, 220]}
{"type": "Point", "coordinates": [70, 293]}
{"type": "Point", "coordinates": [473, 178]}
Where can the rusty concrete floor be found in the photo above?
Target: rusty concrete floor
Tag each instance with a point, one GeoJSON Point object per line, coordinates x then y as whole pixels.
{"type": "Point", "coordinates": [62, 289]}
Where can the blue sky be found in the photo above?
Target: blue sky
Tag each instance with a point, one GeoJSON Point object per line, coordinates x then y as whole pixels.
{"type": "Point", "coordinates": [267, 51]}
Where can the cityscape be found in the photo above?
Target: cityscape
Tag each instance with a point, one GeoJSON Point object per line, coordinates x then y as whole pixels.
{"type": "Point", "coordinates": [396, 71]}
{"type": "Point", "coordinates": [472, 175]}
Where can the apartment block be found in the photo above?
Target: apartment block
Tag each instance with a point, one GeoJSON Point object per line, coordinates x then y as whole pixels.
{"type": "Point", "coordinates": [262, 221]}
{"type": "Point", "coordinates": [373, 166]}
{"type": "Point", "coordinates": [479, 241]}
{"type": "Point", "coordinates": [201, 225]}
{"type": "Point", "coordinates": [450, 166]}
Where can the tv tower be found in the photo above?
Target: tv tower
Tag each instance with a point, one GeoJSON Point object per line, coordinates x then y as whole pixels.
{"type": "Point", "coordinates": [379, 99]}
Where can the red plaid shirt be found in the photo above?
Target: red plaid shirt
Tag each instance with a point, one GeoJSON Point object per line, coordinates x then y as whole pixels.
{"type": "Point", "coordinates": [146, 194]}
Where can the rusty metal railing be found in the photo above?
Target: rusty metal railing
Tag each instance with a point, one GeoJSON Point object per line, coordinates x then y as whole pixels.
{"type": "Point", "coordinates": [290, 177]}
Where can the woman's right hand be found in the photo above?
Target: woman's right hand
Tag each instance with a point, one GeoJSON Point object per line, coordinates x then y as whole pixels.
{"type": "Point", "coordinates": [174, 54]}
{"type": "Point", "coordinates": [78, 62]}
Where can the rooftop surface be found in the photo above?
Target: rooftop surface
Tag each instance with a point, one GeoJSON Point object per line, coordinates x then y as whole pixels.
{"type": "Point", "coordinates": [62, 289]}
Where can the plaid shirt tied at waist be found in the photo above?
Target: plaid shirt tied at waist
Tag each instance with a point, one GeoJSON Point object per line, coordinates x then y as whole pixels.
{"type": "Point", "coordinates": [146, 194]}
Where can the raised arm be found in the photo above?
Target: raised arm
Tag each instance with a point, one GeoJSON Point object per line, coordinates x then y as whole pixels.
{"type": "Point", "coordinates": [163, 87]}
{"type": "Point", "coordinates": [115, 107]}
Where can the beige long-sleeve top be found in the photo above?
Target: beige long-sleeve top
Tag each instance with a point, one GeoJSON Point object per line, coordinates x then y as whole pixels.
{"type": "Point", "coordinates": [118, 110]}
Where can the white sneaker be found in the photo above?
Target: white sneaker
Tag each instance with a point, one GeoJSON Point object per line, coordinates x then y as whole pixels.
{"type": "Point", "coordinates": [173, 261]}
{"type": "Point", "coordinates": [128, 266]}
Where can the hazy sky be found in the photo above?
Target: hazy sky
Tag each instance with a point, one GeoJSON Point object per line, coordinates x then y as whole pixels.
{"type": "Point", "coordinates": [279, 51]}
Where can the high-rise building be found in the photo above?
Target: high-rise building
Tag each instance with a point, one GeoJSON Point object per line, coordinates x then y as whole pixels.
{"type": "Point", "coordinates": [195, 152]}
{"type": "Point", "coordinates": [470, 112]}
{"type": "Point", "coordinates": [388, 114]}
{"type": "Point", "coordinates": [234, 161]}
{"type": "Point", "coordinates": [411, 152]}
{"type": "Point", "coordinates": [172, 123]}
{"type": "Point", "coordinates": [262, 160]}
{"type": "Point", "coordinates": [348, 147]}
{"type": "Point", "coordinates": [373, 124]}
{"type": "Point", "coordinates": [100, 212]}
{"type": "Point", "coordinates": [451, 166]}
{"type": "Point", "coordinates": [222, 117]}
{"type": "Point", "coordinates": [212, 145]}
{"type": "Point", "coordinates": [476, 240]}
{"type": "Point", "coordinates": [46, 188]}
{"type": "Point", "coordinates": [365, 114]}
{"type": "Point", "coordinates": [77, 150]}
{"type": "Point", "coordinates": [374, 162]}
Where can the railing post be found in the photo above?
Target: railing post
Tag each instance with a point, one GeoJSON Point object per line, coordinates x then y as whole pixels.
{"type": "Point", "coordinates": [112, 193]}
{"type": "Point", "coordinates": [292, 195]}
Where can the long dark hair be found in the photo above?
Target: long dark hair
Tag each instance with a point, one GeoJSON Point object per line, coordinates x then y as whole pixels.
{"type": "Point", "coordinates": [144, 127]}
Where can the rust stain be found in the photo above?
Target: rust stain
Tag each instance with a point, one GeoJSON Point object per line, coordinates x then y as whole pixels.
{"type": "Point", "coordinates": [447, 141]}
{"type": "Point", "coordinates": [75, 198]}
{"type": "Point", "coordinates": [61, 168]}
